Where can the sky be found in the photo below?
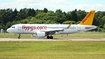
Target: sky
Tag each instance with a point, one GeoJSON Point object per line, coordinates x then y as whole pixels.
{"type": "Point", "coordinates": [53, 5]}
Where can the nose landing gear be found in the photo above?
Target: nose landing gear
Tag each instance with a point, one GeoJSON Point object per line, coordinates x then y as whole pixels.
{"type": "Point", "coordinates": [19, 36]}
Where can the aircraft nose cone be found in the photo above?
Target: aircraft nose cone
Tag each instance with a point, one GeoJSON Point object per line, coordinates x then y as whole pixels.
{"type": "Point", "coordinates": [8, 30]}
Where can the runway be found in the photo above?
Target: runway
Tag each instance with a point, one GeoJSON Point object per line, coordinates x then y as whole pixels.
{"type": "Point", "coordinates": [56, 39]}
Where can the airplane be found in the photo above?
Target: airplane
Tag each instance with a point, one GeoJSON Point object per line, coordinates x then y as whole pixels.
{"type": "Point", "coordinates": [47, 30]}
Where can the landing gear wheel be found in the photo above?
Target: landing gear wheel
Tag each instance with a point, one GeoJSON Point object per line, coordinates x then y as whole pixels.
{"type": "Point", "coordinates": [19, 36]}
{"type": "Point", "coordinates": [49, 37]}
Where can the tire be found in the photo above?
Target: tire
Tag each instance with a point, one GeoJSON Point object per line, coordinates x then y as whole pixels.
{"type": "Point", "coordinates": [48, 37]}
{"type": "Point", "coordinates": [51, 37]}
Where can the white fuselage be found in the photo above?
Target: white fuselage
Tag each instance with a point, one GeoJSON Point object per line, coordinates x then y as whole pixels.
{"type": "Point", "coordinates": [34, 28]}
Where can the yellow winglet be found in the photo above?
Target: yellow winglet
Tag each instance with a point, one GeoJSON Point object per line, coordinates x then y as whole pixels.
{"type": "Point", "coordinates": [69, 25]}
{"type": "Point", "coordinates": [88, 20]}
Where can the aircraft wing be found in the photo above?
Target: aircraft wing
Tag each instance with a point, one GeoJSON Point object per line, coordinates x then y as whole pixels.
{"type": "Point", "coordinates": [53, 30]}
{"type": "Point", "coordinates": [58, 29]}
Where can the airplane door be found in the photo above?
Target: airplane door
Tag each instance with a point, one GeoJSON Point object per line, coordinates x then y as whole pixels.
{"type": "Point", "coordinates": [19, 28]}
{"type": "Point", "coordinates": [79, 28]}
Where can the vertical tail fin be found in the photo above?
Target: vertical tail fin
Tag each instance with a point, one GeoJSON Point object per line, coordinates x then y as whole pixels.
{"type": "Point", "coordinates": [88, 20]}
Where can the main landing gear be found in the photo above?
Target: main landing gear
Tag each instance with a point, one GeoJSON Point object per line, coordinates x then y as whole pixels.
{"type": "Point", "coordinates": [49, 37]}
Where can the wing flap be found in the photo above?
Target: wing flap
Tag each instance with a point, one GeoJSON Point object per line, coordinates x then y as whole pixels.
{"type": "Point", "coordinates": [53, 30]}
{"type": "Point", "coordinates": [58, 29]}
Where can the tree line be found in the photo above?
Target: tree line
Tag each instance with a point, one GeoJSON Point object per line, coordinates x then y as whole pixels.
{"type": "Point", "coordinates": [9, 17]}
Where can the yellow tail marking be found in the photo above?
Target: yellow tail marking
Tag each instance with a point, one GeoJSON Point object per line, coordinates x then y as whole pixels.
{"type": "Point", "coordinates": [88, 20]}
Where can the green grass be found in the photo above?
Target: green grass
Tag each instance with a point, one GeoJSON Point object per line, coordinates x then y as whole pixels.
{"type": "Point", "coordinates": [74, 35]}
{"type": "Point", "coordinates": [52, 50]}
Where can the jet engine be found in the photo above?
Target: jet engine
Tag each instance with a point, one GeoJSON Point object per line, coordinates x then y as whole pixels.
{"type": "Point", "coordinates": [39, 34]}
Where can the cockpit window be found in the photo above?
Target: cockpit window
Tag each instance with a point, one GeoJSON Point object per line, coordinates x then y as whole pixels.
{"type": "Point", "coordinates": [13, 27]}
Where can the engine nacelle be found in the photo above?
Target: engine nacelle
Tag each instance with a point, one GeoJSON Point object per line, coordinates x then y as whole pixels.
{"type": "Point", "coordinates": [39, 34]}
